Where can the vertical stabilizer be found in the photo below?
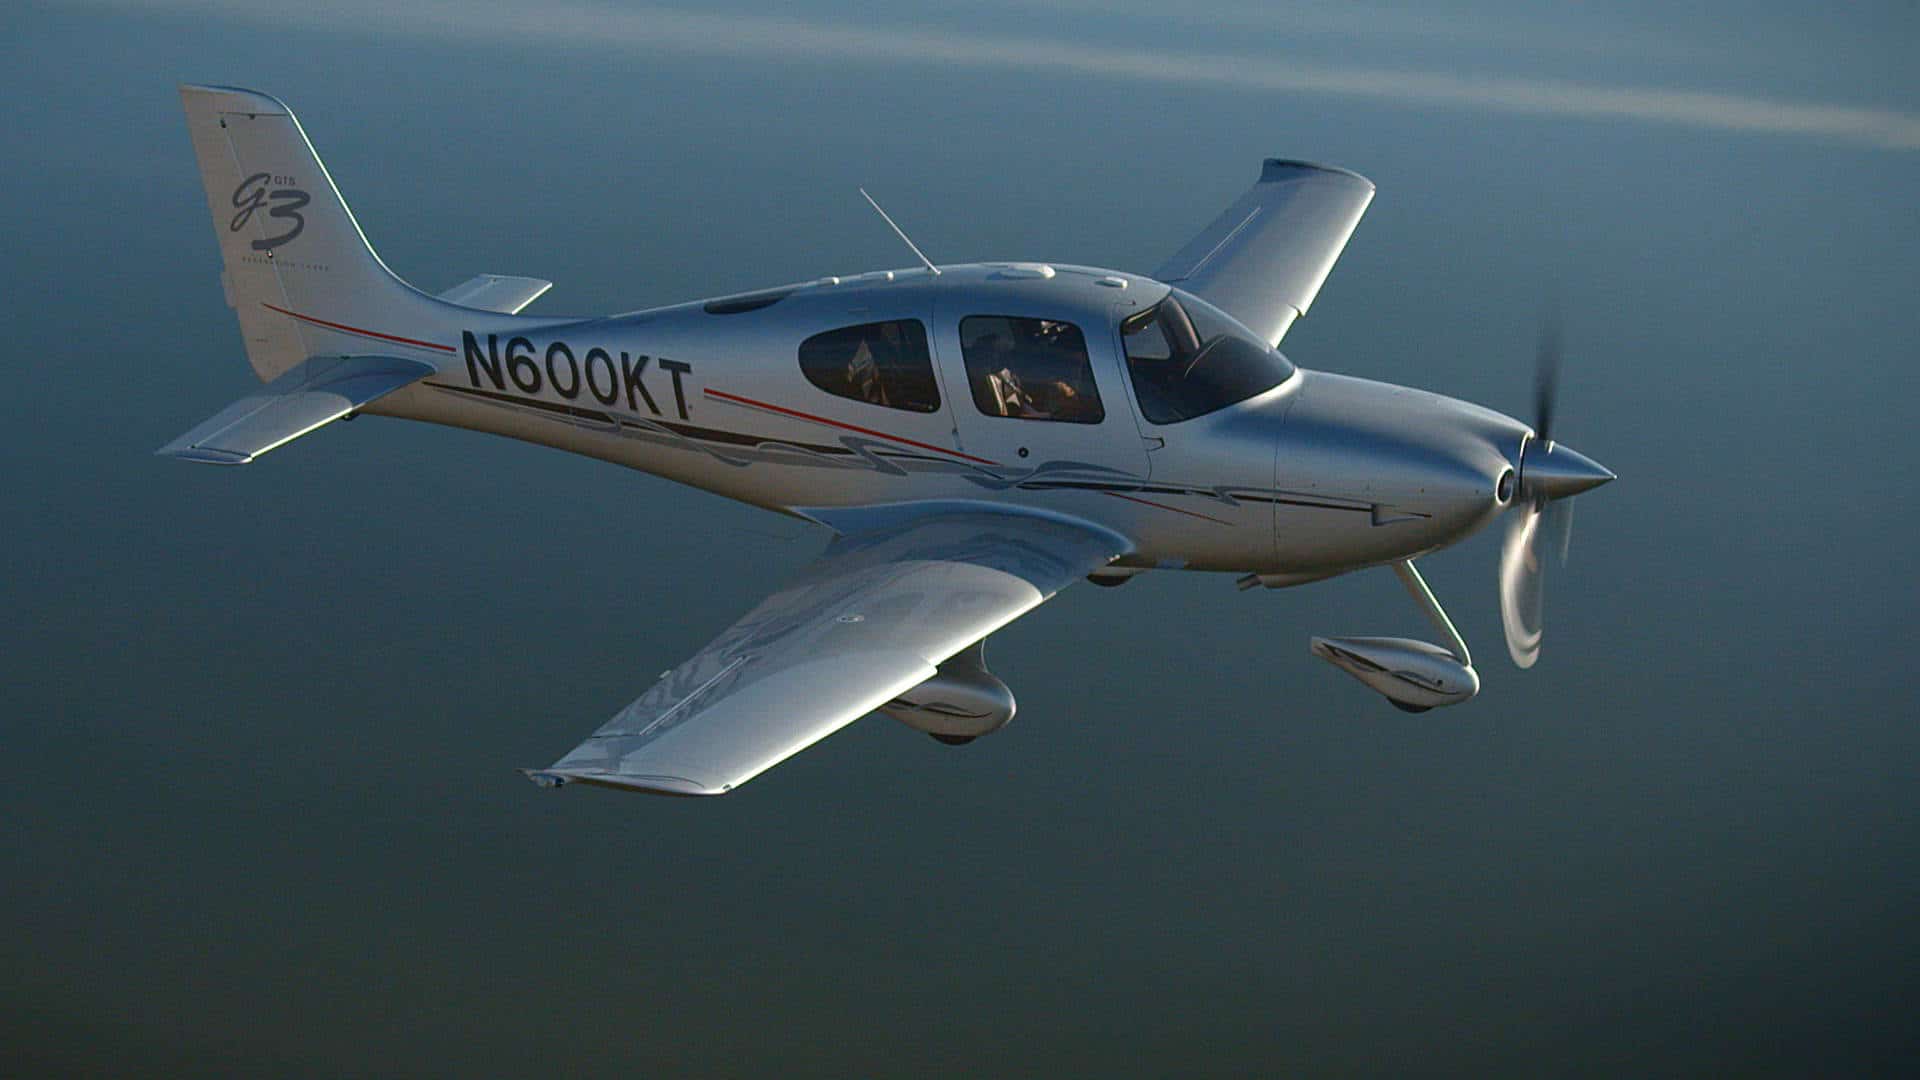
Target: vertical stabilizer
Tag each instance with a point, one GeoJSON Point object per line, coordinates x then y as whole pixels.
{"type": "Point", "coordinates": [298, 272]}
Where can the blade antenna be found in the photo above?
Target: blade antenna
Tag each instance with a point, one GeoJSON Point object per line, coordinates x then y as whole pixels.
{"type": "Point", "coordinates": [897, 231]}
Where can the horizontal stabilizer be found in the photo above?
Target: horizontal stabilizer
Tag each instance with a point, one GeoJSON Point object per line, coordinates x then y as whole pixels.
{"type": "Point", "coordinates": [497, 292]}
{"type": "Point", "coordinates": [309, 395]}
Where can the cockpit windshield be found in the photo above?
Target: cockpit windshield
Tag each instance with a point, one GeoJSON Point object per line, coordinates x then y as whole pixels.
{"type": "Point", "coordinates": [1188, 358]}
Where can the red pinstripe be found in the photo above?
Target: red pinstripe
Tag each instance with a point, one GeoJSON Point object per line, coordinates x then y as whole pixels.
{"type": "Point", "coordinates": [358, 330]}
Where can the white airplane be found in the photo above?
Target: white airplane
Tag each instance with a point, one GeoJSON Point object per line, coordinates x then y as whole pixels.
{"type": "Point", "coordinates": [976, 436]}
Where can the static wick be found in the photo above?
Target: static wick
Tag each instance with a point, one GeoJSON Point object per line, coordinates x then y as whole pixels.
{"type": "Point", "coordinates": [897, 231]}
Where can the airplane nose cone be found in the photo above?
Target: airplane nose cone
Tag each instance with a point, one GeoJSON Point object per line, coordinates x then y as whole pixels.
{"type": "Point", "coordinates": [1554, 471]}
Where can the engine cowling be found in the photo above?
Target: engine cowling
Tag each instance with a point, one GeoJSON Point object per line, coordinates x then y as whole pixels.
{"type": "Point", "coordinates": [960, 703]}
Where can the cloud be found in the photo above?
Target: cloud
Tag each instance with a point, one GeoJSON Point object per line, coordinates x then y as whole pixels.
{"type": "Point", "coordinates": [1534, 30]}
{"type": "Point", "coordinates": [779, 37]}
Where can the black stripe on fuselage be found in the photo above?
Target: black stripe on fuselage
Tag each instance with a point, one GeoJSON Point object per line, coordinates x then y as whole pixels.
{"type": "Point", "coordinates": [1160, 489]}
{"type": "Point", "coordinates": [575, 412]}
{"type": "Point", "coordinates": [736, 438]}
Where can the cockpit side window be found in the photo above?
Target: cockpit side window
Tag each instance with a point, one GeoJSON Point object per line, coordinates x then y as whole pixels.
{"type": "Point", "coordinates": [1029, 369]}
{"type": "Point", "coordinates": [883, 363]}
{"type": "Point", "coordinates": [1187, 359]}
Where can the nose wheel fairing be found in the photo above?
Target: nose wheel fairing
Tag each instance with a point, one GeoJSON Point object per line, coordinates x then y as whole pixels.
{"type": "Point", "coordinates": [1413, 675]}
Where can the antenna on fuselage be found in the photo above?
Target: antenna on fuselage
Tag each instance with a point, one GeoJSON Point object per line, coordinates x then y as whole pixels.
{"type": "Point", "coordinates": [897, 231]}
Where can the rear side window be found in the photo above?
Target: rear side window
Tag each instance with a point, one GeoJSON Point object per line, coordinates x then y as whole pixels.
{"type": "Point", "coordinates": [1029, 369]}
{"type": "Point", "coordinates": [882, 363]}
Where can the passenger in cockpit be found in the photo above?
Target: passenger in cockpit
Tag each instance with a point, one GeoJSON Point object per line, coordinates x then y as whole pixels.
{"type": "Point", "coordinates": [863, 375]}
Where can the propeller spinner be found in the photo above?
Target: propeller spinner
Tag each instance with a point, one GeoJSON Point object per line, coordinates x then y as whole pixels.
{"type": "Point", "coordinates": [1543, 519]}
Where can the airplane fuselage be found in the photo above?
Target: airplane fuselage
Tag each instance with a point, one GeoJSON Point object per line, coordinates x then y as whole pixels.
{"type": "Point", "coordinates": [1317, 475]}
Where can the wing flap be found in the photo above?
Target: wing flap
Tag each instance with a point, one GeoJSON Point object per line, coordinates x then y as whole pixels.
{"type": "Point", "coordinates": [307, 396]}
{"type": "Point", "coordinates": [497, 292]}
{"type": "Point", "coordinates": [870, 619]}
{"type": "Point", "coordinates": [1264, 259]}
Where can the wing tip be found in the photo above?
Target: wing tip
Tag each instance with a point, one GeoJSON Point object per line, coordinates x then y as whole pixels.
{"type": "Point", "coordinates": [206, 454]}
{"type": "Point", "coordinates": [1278, 169]}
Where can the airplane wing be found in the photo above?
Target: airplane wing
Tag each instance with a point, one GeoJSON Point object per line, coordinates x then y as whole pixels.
{"type": "Point", "coordinates": [868, 620]}
{"type": "Point", "coordinates": [1264, 259]}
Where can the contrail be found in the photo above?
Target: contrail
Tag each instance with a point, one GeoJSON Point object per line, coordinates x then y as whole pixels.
{"type": "Point", "coordinates": [767, 36]}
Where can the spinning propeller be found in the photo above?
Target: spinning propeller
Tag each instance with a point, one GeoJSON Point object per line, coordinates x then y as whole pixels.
{"type": "Point", "coordinates": [1549, 475]}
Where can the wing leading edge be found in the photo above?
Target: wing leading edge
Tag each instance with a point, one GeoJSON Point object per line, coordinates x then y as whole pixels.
{"type": "Point", "coordinates": [1264, 259]}
{"type": "Point", "coordinates": [870, 619]}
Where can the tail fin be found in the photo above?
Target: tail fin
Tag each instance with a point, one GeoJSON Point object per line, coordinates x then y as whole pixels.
{"type": "Point", "coordinates": [298, 270]}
